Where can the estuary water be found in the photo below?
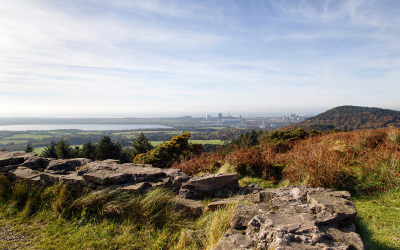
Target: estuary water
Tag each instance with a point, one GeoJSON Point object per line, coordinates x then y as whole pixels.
{"type": "Point", "coordinates": [86, 127]}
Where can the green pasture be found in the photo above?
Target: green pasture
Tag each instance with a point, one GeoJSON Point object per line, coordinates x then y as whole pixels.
{"type": "Point", "coordinates": [89, 133]}
{"type": "Point", "coordinates": [59, 133]}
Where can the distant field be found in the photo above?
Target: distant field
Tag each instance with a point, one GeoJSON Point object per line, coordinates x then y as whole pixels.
{"type": "Point", "coordinates": [59, 133]}
{"type": "Point", "coordinates": [4, 142]}
{"type": "Point", "coordinates": [89, 133]}
{"type": "Point", "coordinates": [217, 142]}
{"type": "Point", "coordinates": [39, 150]}
{"type": "Point", "coordinates": [28, 136]}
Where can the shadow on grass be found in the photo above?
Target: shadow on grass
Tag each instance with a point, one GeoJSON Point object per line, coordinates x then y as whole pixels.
{"type": "Point", "coordinates": [366, 236]}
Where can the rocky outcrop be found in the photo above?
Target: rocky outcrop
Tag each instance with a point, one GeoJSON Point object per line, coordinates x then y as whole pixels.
{"type": "Point", "coordinates": [284, 218]}
{"type": "Point", "coordinates": [294, 218]}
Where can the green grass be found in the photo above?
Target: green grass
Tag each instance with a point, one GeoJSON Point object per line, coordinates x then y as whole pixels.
{"type": "Point", "coordinates": [89, 133]}
{"type": "Point", "coordinates": [28, 136]}
{"type": "Point", "coordinates": [378, 220]}
{"type": "Point", "coordinates": [59, 133]}
{"type": "Point", "coordinates": [53, 218]}
{"type": "Point", "coordinates": [39, 150]}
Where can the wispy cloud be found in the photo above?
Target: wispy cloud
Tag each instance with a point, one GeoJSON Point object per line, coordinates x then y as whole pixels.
{"type": "Point", "coordinates": [152, 56]}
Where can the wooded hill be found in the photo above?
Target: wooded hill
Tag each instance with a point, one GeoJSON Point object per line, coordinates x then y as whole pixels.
{"type": "Point", "coordinates": [351, 118]}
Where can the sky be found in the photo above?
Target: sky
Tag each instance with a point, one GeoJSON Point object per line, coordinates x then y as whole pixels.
{"type": "Point", "coordinates": [125, 58]}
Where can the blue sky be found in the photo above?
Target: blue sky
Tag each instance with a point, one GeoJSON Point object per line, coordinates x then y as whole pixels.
{"type": "Point", "coordinates": [121, 58]}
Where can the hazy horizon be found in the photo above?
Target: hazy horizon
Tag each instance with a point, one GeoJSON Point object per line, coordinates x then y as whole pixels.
{"type": "Point", "coordinates": [153, 58]}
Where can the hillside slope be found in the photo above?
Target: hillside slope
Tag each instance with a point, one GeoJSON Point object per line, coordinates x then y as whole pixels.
{"type": "Point", "coordinates": [351, 118]}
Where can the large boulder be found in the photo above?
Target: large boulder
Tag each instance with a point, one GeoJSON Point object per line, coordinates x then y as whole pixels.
{"type": "Point", "coordinates": [104, 177]}
{"type": "Point", "coordinates": [210, 185]}
{"type": "Point", "coordinates": [13, 158]}
{"type": "Point", "coordinates": [23, 173]}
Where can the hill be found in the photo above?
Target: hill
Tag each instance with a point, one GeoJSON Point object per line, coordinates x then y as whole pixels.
{"type": "Point", "coordinates": [351, 118]}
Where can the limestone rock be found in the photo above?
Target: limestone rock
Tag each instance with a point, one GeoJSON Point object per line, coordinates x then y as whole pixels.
{"type": "Point", "coordinates": [294, 218]}
{"type": "Point", "coordinates": [219, 185]}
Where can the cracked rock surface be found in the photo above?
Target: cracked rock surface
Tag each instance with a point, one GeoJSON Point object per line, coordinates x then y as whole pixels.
{"type": "Point", "coordinates": [294, 218]}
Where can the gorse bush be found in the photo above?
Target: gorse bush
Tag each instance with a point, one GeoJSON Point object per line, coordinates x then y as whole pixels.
{"type": "Point", "coordinates": [167, 154]}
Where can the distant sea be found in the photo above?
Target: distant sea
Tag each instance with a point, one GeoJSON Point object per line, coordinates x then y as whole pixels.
{"type": "Point", "coordinates": [87, 127]}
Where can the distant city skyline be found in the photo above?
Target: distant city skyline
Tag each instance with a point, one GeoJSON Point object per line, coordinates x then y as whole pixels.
{"type": "Point", "coordinates": [153, 58]}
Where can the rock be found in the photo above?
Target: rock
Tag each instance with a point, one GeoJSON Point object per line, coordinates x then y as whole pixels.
{"type": "Point", "coordinates": [294, 218]}
{"type": "Point", "coordinates": [243, 214]}
{"type": "Point", "coordinates": [193, 207]}
{"type": "Point", "coordinates": [104, 177]}
{"type": "Point", "coordinates": [136, 188]}
{"type": "Point", "coordinates": [177, 178]}
{"type": "Point", "coordinates": [8, 168]}
{"type": "Point", "coordinates": [141, 172]}
{"type": "Point", "coordinates": [65, 166]}
{"type": "Point", "coordinates": [22, 173]}
{"type": "Point", "coordinates": [234, 240]}
{"type": "Point", "coordinates": [76, 180]}
{"type": "Point", "coordinates": [36, 162]}
{"type": "Point", "coordinates": [5, 161]}
{"type": "Point", "coordinates": [50, 177]}
{"type": "Point", "coordinates": [262, 196]}
{"type": "Point", "coordinates": [222, 203]}
{"type": "Point", "coordinates": [220, 185]}
{"type": "Point", "coordinates": [333, 203]}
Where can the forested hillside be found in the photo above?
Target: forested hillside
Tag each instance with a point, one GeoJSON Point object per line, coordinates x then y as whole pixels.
{"type": "Point", "coordinates": [351, 118]}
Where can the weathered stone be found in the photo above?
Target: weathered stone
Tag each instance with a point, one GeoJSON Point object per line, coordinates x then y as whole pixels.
{"type": "Point", "coordinates": [328, 201]}
{"type": "Point", "coordinates": [289, 220]}
{"type": "Point", "coordinates": [22, 173]}
{"type": "Point", "coordinates": [177, 178]}
{"type": "Point", "coordinates": [75, 180]}
{"type": "Point", "coordinates": [234, 240]}
{"type": "Point", "coordinates": [5, 161]}
{"type": "Point", "coordinates": [220, 185]}
{"type": "Point", "coordinates": [222, 203]}
{"type": "Point", "coordinates": [141, 172]}
{"type": "Point", "coordinates": [136, 188]}
{"type": "Point", "coordinates": [243, 214]}
{"type": "Point", "coordinates": [193, 207]}
{"type": "Point", "coordinates": [104, 177]}
{"type": "Point", "coordinates": [36, 162]}
{"type": "Point", "coordinates": [262, 196]}
{"type": "Point", "coordinates": [50, 177]}
{"type": "Point", "coordinates": [8, 168]}
{"type": "Point", "coordinates": [65, 166]}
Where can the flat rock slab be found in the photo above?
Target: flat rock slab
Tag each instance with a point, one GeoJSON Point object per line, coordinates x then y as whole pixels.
{"type": "Point", "coordinates": [141, 172]}
{"type": "Point", "coordinates": [22, 173]}
{"type": "Point", "coordinates": [294, 218]}
{"type": "Point", "coordinates": [104, 177]}
{"type": "Point", "coordinates": [14, 158]}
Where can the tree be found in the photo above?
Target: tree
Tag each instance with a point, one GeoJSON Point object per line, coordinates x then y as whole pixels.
{"type": "Point", "coordinates": [28, 148]}
{"type": "Point", "coordinates": [106, 149]}
{"type": "Point", "coordinates": [88, 151]}
{"type": "Point", "coordinates": [50, 151]}
{"type": "Point", "coordinates": [140, 145]}
{"type": "Point", "coordinates": [63, 149]}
